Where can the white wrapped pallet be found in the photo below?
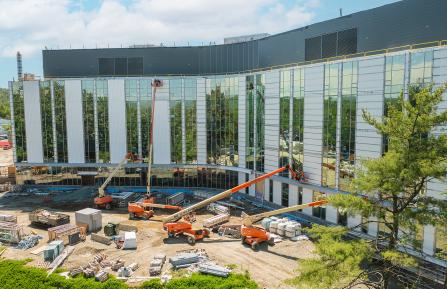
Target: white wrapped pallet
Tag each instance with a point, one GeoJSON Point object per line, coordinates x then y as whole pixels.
{"type": "Point", "coordinates": [265, 223]}
{"type": "Point", "coordinates": [273, 227]}
{"type": "Point", "coordinates": [130, 240]}
{"type": "Point", "coordinates": [293, 229]}
{"type": "Point", "coordinates": [281, 228]}
{"type": "Point", "coordinates": [91, 217]}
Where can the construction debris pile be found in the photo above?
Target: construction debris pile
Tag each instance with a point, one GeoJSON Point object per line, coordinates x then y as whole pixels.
{"type": "Point", "coordinates": [46, 218]}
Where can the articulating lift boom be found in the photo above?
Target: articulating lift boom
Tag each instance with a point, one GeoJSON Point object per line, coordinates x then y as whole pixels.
{"type": "Point", "coordinates": [225, 194]}
{"type": "Point", "coordinates": [175, 228]}
{"type": "Point", "coordinates": [103, 200]}
{"type": "Point", "coordinates": [253, 235]}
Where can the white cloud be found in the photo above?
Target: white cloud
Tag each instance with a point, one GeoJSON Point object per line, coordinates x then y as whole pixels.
{"type": "Point", "coordinates": [30, 25]}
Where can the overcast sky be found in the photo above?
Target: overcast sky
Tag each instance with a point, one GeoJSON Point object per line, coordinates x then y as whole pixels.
{"type": "Point", "coordinates": [29, 26]}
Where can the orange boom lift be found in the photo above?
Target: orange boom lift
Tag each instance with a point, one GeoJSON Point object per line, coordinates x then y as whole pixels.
{"type": "Point", "coordinates": [174, 227]}
{"type": "Point", "coordinates": [255, 235]}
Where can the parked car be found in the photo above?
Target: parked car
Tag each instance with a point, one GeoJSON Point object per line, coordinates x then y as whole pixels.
{"type": "Point", "coordinates": [5, 144]}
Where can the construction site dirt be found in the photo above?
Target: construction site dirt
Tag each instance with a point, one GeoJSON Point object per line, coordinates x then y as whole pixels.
{"type": "Point", "coordinates": [269, 267]}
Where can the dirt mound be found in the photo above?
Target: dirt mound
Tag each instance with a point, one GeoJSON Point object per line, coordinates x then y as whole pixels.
{"type": "Point", "coordinates": [86, 251]}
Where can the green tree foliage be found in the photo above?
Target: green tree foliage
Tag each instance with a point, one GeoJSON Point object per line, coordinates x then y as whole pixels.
{"type": "Point", "coordinates": [392, 188]}
{"type": "Point", "coordinates": [4, 104]}
{"type": "Point", "coordinates": [337, 263]}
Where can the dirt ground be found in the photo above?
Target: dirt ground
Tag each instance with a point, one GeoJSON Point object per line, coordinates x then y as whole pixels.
{"type": "Point", "coordinates": [269, 267]}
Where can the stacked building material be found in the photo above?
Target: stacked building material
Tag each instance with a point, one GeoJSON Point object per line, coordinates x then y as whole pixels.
{"type": "Point", "coordinates": [91, 217]}
{"type": "Point", "coordinates": [121, 199]}
{"type": "Point", "coordinates": [117, 265]}
{"type": "Point", "coordinates": [216, 220]}
{"type": "Point", "coordinates": [184, 260]}
{"type": "Point", "coordinates": [10, 232]}
{"type": "Point", "coordinates": [218, 209]}
{"type": "Point", "coordinates": [100, 239]}
{"type": "Point", "coordinates": [28, 242]}
{"type": "Point", "coordinates": [8, 218]}
{"type": "Point", "coordinates": [47, 218]}
{"type": "Point", "coordinates": [156, 264]}
{"type": "Point", "coordinates": [127, 228]}
{"type": "Point", "coordinates": [213, 269]}
{"type": "Point", "coordinates": [110, 229]}
{"type": "Point", "coordinates": [60, 259]}
{"type": "Point", "coordinates": [64, 232]}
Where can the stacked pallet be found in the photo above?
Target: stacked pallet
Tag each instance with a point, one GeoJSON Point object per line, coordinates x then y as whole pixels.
{"type": "Point", "coordinates": [69, 233]}
{"type": "Point", "coordinates": [10, 232]}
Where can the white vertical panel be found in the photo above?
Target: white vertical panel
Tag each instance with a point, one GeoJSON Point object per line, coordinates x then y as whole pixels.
{"type": "Point", "coordinates": [313, 122]}
{"type": "Point", "coordinates": [241, 180]}
{"type": "Point", "coordinates": [252, 188]}
{"type": "Point", "coordinates": [267, 190]}
{"type": "Point", "coordinates": [293, 195]}
{"type": "Point", "coordinates": [373, 226]}
{"type": "Point", "coordinates": [307, 198]}
{"type": "Point", "coordinates": [331, 214]}
{"type": "Point", "coordinates": [75, 123]}
{"type": "Point", "coordinates": [241, 121]}
{"type": "Point", "coordinates": [429, 244]}
{"type": "Point", "coordinates": [354, 221]}
{"type": "Point", "coordinates": [117, 120]}
{"type": "Point", "coordinates": [271, 136]}
{"type": "Point", "coordinates": [370, 97]}
{"type": "Point", "coordinates": [33, 121]}
{"type": "Point", "coordinates": [201, 120]}
{"type": "Point", "coordinates": [162, 128]}
{"type": "Point", "coordinates": [277, 192]}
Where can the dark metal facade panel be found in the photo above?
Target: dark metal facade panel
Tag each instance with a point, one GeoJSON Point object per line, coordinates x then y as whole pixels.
{"type": "Point", "coordinates": [401, 23]}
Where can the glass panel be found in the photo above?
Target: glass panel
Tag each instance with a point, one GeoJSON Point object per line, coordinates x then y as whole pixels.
{"type": "Point", "coordinates": [175, 108]}
{"type": "Point", "coordinates": [103, 120]}
{"type": "Point", "coordinates": [298, 115]}
{"type": "Point", "coordinates": [330, 124]}
{"type": "Point", "coordinates": [260, 122]}
{"type": "Point", "coordinates": [222, 121]}
{"type": "Point", "coordinates": [421, 64]}
{"type": "Point", "coordinates": [319, 212]}
{"type": "Point", "coordinates": [19, 120]}
{"type": "Point", "coordinates": [348, 125]}
{"type": "Point", "coordinates": [131, 95]}
{"type": "Point", "coordinates": [47, 121]}
{"type": "Point", "coordinates": [89, 120]}
{"type": "Point", "coordinates": [284, 194]}
{"type": "Point", "coordinates": [145, 111]}
{"type": "Point", "coordinates": [191, 120]}
{"type": "Point", "coordinates": [249, 122]}
{"type": "Point", "coordinates": [284, 119]}
{"type": "Point", "coordinates": [61, 121]}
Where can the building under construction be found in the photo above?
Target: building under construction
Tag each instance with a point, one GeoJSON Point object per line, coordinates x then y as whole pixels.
{"type": "Point", "coordinates": [226, 114]}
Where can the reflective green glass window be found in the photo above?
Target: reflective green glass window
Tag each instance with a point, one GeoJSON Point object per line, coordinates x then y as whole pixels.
{"type": "Point", "coordinates": [145, 114]}
{"type": "Point", "coordinates": [298, 115]}
{"type": "Point", "coordinates": [89, 120]}
{"type": "Point", "coordinates": [191, 119]}
{"type": "Point", "coordinates": [175, 107]}
{"type": "Point", "coordinates": [102, 105]}
{"type": "Point", "coordinates": [131, 95]}
{"type": "Point", "coordinates": [285, 90]}
{"type": "Point", "coordinates": [61, 121]}
{"type": "Point", "coordinates": [46, 121]}
{"type": "Point", "coordinates": [330, 124]}
{"type": "Point", "coordinates": [19, 121]}
{"type": "Point", "coordinates": [421, 66]}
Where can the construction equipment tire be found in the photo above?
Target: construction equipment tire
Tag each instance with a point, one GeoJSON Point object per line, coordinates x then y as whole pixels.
{"type": "Point", "coordinates": [171, 235]}
{"type": "Point", "coordinates": [243, 240]}
{"type": "Point", "coordinates": [108, 206]}
{"type": "Point", "coordinates": [191, 240]}
{"type": "Point", "coordinates": [271, 242]}
{"type": "Point", "coordinates": [255, 246]}
{"type": "Point", "coordinates": [131, 216]}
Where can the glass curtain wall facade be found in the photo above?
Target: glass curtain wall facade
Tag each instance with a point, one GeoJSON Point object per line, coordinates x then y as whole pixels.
{"type": "Point", "coordinates": [131, 96]}
{"type": "Point", "coordinates": [88, 111]}
{"type": "Point", "coordinates": [222, 121]}
{"type": "Point", "coordinates": [255, 110]}
{"type": "Point", "coordinates": [331, 86]}
{"type": "Point", "coordinates": [61, 121]}
{"type": "Point", "coordinates": [102, 110]}
{"type": "Point", "coordinates": [421, 67]}
{"type": "Point", "coordinates": [19, 120]}
{"type": "Point", "coordinates": [145, 114]}
{"type": "Point", "coordinates": [285, 96]}
{"type": "Point", "coordinates": [348, 124]}
{"type": "Point", "coordinates": [394, 85]}
{"type": "Point", "coordinates": [46, 112]}
{"type": "Point", "coordinates": [298, 115]}
{"type": "Point", "coordinates": [190, 91]}
{"type": "Point", "coordinates": [175, 108]}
